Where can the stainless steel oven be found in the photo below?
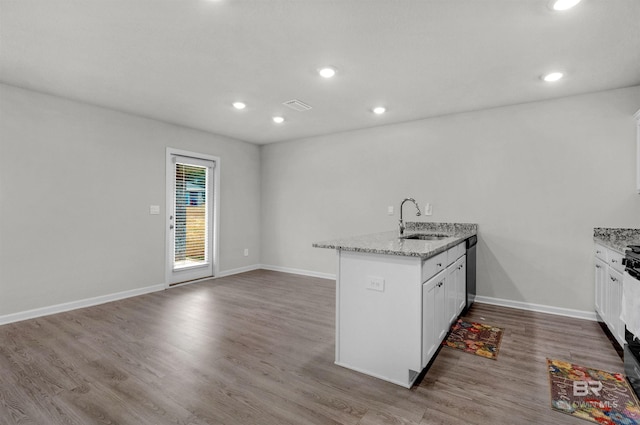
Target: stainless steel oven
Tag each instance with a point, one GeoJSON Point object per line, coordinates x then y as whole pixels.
{"type": "Point", "coordinates": [632, 346]}
{"type": "Point", "coordinates": [632, 361]}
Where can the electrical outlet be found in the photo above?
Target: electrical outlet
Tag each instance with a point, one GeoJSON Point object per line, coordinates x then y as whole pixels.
{"type": "Point", "coordinates": [246, 252]}
{"type": "Point", "coordinates": [154, 209]}
{"type": "Point", "coordinates": [428, 209]}
{"type": "Point", "coordinates": [376, 284]}
{"type": "Point", "coordinates": [390, 210]}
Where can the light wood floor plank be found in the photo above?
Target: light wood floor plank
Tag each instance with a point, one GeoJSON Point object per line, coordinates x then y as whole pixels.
{"type": "Point", "coordinates": [258, 348]}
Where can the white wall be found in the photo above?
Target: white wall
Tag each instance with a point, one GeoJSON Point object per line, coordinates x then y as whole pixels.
{"type": "Point", "coordinates": [76, 182]}
{"type": "Point", "coordinates": [536, 177]}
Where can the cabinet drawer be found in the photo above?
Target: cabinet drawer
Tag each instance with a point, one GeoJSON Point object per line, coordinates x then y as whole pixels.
{"type": "Point", "coordinates": [431, 266]}
{"type": "Point", "coordinates": [615, 260]}
{"type": "Point", "coordinates": [456, 252]}
{"type": "Point", "coordinates": [614, 277]}
{"type": "Point", "coordinates": [601, 252]}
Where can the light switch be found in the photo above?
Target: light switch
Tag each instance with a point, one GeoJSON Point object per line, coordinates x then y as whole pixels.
{"type": "Point", "coordinates": [390, 210]}
{"type": "Point", "coordinates": [154, 209]}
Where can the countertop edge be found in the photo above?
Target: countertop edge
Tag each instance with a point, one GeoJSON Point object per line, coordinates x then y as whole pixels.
{"type": "Point", "coordinates": [610, 245]}
{"type": "Point", "coordinates": [616, 238]}
{"type": "Point", "coordinates": [419, 254]}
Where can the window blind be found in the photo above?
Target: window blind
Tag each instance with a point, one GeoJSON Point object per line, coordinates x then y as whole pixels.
{"type": "Point", "coordinates": [191, 211]}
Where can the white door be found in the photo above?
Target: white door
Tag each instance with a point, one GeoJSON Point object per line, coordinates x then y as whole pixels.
{"type": "Point", "coordinates": [191, 206]}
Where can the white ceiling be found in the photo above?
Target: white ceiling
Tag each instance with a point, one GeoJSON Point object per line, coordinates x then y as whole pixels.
{"type": "Point", "coordinates": [186, 61]}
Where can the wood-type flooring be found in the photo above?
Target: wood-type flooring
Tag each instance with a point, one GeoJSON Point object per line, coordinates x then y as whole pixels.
{"type": "Point", "coordinates": [258, 348]}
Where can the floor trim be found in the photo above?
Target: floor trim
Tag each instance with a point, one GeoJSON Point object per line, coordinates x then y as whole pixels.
{"type": "Point", "coordinates": [245, 269]}
{"type": "Point", "coordinates": [559, 311]}
{"type": "Point", "coordinates": [74, 305]}
{"type": "Point", "coordinates": [88, 302]}
{"type": "Point", "coordinates": [299, 271]}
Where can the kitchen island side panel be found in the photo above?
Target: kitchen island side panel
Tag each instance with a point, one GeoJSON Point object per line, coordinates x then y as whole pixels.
{"type": "Point", "coordinates": [378, 331]}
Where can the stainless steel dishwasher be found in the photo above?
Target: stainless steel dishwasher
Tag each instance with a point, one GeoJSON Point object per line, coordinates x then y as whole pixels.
{"type": "Point", "coordinates": [471, 271]}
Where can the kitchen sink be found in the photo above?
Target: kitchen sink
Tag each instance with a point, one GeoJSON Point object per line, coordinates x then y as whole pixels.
{"type": "Point", "coordinates": [426, 236]}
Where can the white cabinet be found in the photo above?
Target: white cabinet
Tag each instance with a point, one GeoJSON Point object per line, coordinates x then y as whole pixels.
{"type": "Point", "coordinates": [433, 316]}
{"type": "Point", "coordinates": [444, 297]}
{"type": "Point", "coordinates": [615, 260]}
{"type": "Point", "coordinates": [608, 289]}
{"type": "Point", "coordinates": [461, 283]}
{"type": "Point", "coordinates": [456, 288]}
{"type": "Point", "coordinates": [432, 266]}
{"type": "Point", "coordinates": [614, 307]}
{"type": "Point", "coordinates": [393, 311]}
{"type": "Point", "coordinates": [601, 281]}
{"type": "Point", "coordinates": [451, 290]}
{"type": "Point", "coordinates": [455, 253]}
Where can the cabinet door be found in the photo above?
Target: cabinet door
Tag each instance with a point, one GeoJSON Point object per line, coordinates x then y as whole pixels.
{"type": "Point", "coordinates": [613, 290]}
{"type": "Point", "coordinates": [429, 321]}
{"type": "Point", "coordinates": [615, 307]}
{"type": "Point", "coordinates": [434, 328]}
{"type": "Point", "coordinates": [451, 296]}
{"type": "Point", "coordinates": [461, 283]}
{"type": "Point", "coordinates": [442, 324]}
{"type": "Point", "coordinates": [601, 281]}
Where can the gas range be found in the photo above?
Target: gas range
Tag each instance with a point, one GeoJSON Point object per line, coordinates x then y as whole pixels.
{"type": "Point", "coordinates": [631, 262]}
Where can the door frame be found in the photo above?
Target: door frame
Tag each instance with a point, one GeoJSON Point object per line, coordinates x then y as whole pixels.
{"type": "Point", "coordinates": [215, 228]}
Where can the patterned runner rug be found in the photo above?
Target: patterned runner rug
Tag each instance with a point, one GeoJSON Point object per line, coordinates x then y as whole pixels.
{"type": "Point", "coordinates": [476, 338]}
{"type": "Point", "coordinates": [592, 394]}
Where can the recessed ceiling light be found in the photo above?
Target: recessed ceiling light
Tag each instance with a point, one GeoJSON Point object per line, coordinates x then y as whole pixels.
{"type": "Point", "coordinates": [239, 105]}
{"type": "Point", "coordinates": [327, 72]}
{"type": "Point", "coordinates": [563, 4]}
{"type": "Point", "coordinates": [553, 76]}
{"type": "Point", "coordinates": [379, 110]}
{"type": "Point", "coordinates": [278, 120]}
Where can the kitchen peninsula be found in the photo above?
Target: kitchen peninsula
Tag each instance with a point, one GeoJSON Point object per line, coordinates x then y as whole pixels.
{"type": "Point", "coordinates": [397, 296]}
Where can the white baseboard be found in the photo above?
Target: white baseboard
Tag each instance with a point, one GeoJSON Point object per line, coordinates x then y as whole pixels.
{"type": "Point", "coordinates": [73, 305]}
{"type": "Point", "coordinates": [239, 270]}
{"type": "Point", "coordinates": [88, 302]}
{"type": "Point", "coordinates": [299, 271]}
{"type": "Point", "coordinates": [579, 314]}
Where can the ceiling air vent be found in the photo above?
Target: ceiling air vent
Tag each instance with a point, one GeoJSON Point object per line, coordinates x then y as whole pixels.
{"type": "Point", "coordinates": [297, 105]}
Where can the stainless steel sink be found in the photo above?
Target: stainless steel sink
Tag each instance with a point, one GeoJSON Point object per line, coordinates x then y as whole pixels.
{"type": "Point", "coordinates": [426, 236]}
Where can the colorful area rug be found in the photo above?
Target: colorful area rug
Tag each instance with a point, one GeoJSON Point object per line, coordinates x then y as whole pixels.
{"type": "Point", "coordinates": [592, 394]}
{"type": "Point", "coordinates": [476, 338]}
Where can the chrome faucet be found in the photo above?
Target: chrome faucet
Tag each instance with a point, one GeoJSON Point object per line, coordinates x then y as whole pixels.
{"type": "Point", "coordinates": [417, 214]}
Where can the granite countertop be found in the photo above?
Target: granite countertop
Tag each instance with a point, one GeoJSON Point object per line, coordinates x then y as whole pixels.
{"type": "Point", "coordinates": [616, 238]}
{"type": "Point", "coordinates": [390, 244]}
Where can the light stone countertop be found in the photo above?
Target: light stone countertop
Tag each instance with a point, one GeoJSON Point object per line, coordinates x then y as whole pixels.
{"type": "Point", "coordinates": [616, 238]}
{"type": "Point", "coordinates": [389, 243]}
